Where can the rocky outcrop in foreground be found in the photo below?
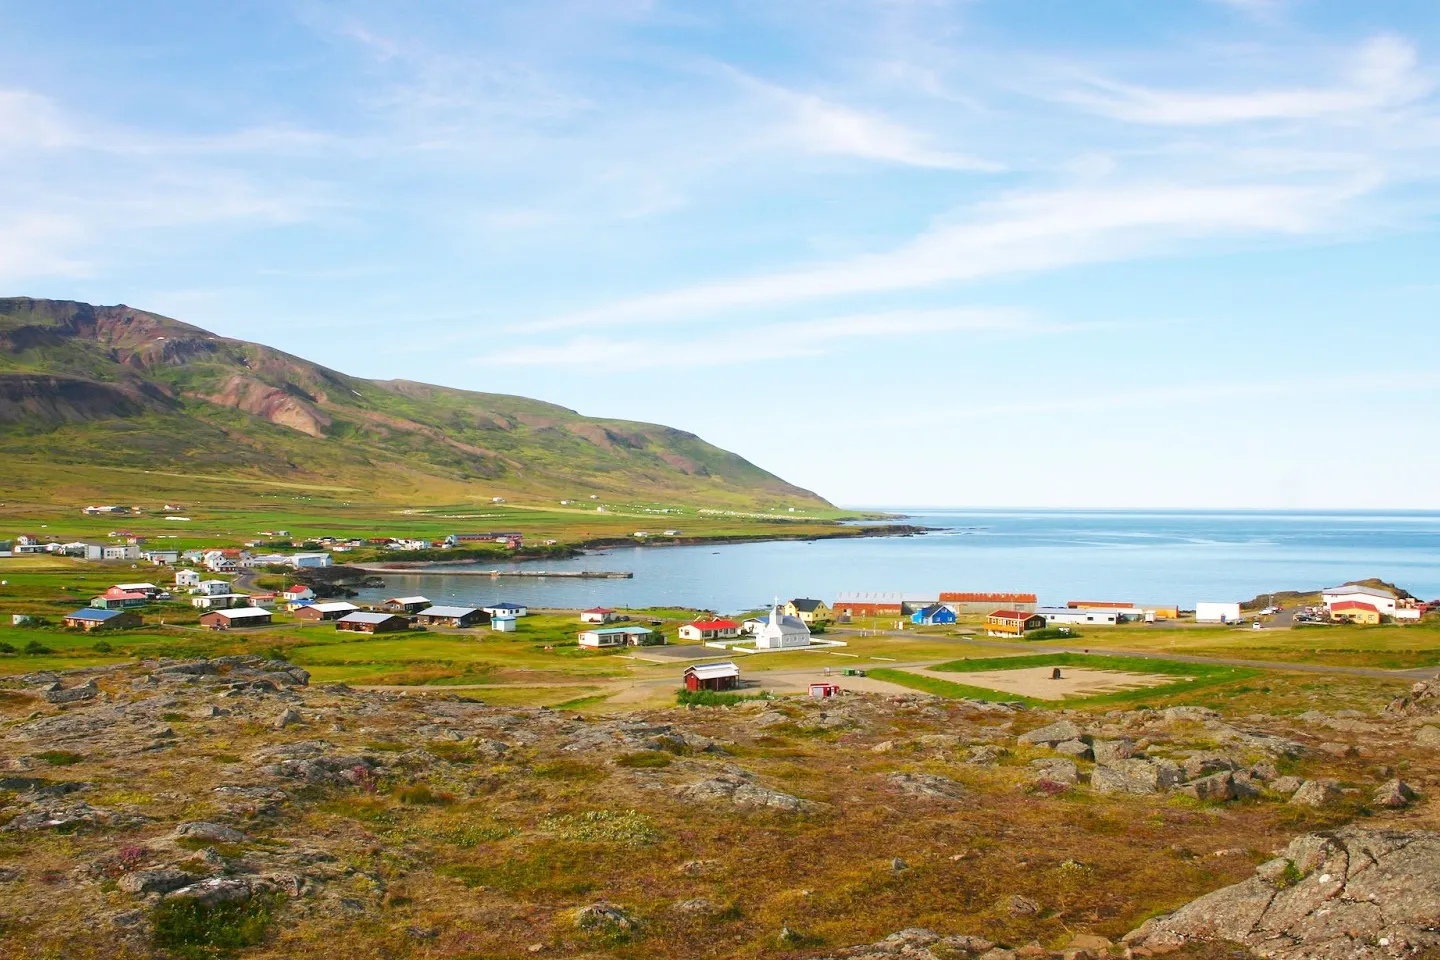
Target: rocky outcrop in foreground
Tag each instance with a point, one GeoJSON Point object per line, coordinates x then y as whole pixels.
{"type": "Point", "coordinates": [1357, 894]}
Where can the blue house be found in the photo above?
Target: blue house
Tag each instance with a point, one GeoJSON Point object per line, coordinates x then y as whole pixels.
{"type": "Point", "coordinates": [935, 614]}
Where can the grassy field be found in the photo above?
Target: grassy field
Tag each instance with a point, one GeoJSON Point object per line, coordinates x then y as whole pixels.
{"type": "Point", "coordinates": [1386, 647]}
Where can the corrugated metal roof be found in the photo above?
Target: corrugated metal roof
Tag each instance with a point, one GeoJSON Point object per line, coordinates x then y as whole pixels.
{"type": "Point", "coordinates": [408, 600]}
{"type": "Point", "coordinates": [448, 611]}
{"type": "Point", "coordinates": [609, 630]}
{"type": "Point", "coordinates": [241, 613]}
{"type": "Point", "coordinates": [1359, 588]}
{"type": "Point", "coordinates": [333, 606]}
{"type": "Point", "coordinates": [364, 616]}
{"type": "Point", "coordinates": [850, 596]}
{"type": "Point", "coordinates": [90, 613]}
{"type": "Point", "coordinates": [709, 671]}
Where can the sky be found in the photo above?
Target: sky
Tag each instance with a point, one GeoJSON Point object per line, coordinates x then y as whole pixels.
{"type": "Point", "coordinates": [1120, 253]}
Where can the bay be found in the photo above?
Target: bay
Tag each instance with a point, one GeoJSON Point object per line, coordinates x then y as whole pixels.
{"type": "Point", "coordinates": [1157, 557]}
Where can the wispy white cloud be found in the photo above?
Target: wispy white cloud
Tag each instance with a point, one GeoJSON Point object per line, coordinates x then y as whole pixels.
{"type": "Point", "coordinates": [1024, 233]}
{"type": "Point", "coordinates": [825, 127]}
{"type": "Point", "coordinates": [1384, 72]}
{"type": "Point", "coordinates": [800, 338]}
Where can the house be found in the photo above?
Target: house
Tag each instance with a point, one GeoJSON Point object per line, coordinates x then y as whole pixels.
{"type": "Point", "coordinates": [405, 604]}
{"type": "Point", "coordinates": [265, 600]}
{"type": "Point", "coordinates": [111, 551]}
{"type": "Point", "coordinates": [94, 511]}
{"type": "Point", "coordinates": [511, 539]}
{"type": "Point", "coordinates": [309, 560]}
{"type": "Point", "coordinates": [158, 557]}
{"type": "Point", "coordinates": [704, 630]}
{"type": "Point", "coordinates": [187, 578]}
{"type": "Point", "coordinates": [236, 617]}
{"type": "Point", "coordinates": [219, 601]}
{"type": "Point", "coordinates": [712, 676]}
{"type": "Point", "coordinates": [933, 615]}
{"type": "Point", "coordinates": [1012, 623]}
{"type": "Point", "coordinates": [881, 604]}
{"type": "Point", "coordinates": [1409, 609]}
{"type": "Point", "coordinates": [1355, 611]}
{"type": "Point", "coordinates": [150, 590]}
{"type": "Point", "coordinates": [618, 637]}
{"type": "Point", "coordinates": [362, 621]}
{"type": "Point", "coordinates": [824, 690]}
{"type": "Point", "coordinates": [212, 588]}
{"type": "Point", "coordinates": [330, 610]}
{"type": "Point", "coordinates": [1217, 612]}
{"type": "Point", "coordinates": [1094, 616]}
{"type": "Point", "coordinates": [1381, 599]}
{"type": "Point", "coordinates": [117, 599]}
{"type": "Point", "coordinates": [507, 610]}
{"type": "Point", "coordinates": [782, 632]}
{"type": "Point", "coordinates": [969, 602]}
{"type": "Point", "coordinates": [597, 615]}
{"type": "Point", "coordinates": [297, 592]}
{"type": "Point", "coordinates": [504, 624]}
{"type": "Point", "coordinates": [91, 619]}
{"type": "Point", "coordinates": [752, 625]}
{"type": "Point", "coordinates": [1097, 605]}
{"type": "Point", "coordinates": [809, 611]}
{"type": "Point", "coordinates": [452, 617]}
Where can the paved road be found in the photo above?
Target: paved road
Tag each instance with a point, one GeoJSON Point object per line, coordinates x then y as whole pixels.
{"type": "Point", "coordinates": [1418, 673]}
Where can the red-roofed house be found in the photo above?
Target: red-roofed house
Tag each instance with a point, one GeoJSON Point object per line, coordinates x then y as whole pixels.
{"type": "Point", "coordinates": [1355, 611]}
{"type": "Point", "coordinates": [710, 630]}
{"type": "Point", "coordinates": [1012, 623]}
{"type": "Point", "coordinates": [597, 615]}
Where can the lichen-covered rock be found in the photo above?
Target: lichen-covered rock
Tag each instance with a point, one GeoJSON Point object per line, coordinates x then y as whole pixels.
{"type": "Point", "coordinates": [1199, 765]}
{"type": "Point", "coordinates": [1078, 749]}
{"type": "Point", "coordinates": [1056, 769]}
{"type": "Point", "coordinates": [916, 944]}
{"type": "Point", "coordinates": [1353, 894]}
{"type": "Point", "coordinates": [1422, 700]}
{"type": "Point", "coordinates": [1428, 737]}
{"type": "Point", "coordinates": [1136, 775]}
{"type": "Point", "coordinates": [160, 880]}
{"type": "Point", "coordinates": [207, 831]}
{"type": "Point", "coordinates": [1222, 786]}
{"type": "Point", "coordinates": [1110, 751]}
{"type": "Point", "coordinates": [926, 785]}
{"type": "Point", "coordinates": [604, 916]}
{"type": "Point", "coordinates": [1316, 793]}
{"type": "Point", "coordinates": [1394, 794]}
{"type": "Point", "coordinates": [1052, 734]}
{"type": "Point", "coordinates": [742, 792]}
{"type": "Point", "coordinates": [986, 755]}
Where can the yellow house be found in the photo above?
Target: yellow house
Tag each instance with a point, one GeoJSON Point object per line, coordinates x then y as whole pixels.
{"type": "Point", "coordinates": [809, 611]}
{"type": "Point", "coordinates": [1355, 612]}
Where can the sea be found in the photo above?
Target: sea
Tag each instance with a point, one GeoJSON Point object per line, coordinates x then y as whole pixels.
{"type": "Point", "coordinates": [1148, 557]}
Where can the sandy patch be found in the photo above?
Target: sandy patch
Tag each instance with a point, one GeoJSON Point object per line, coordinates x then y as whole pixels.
{"type": "Point", "coordinates": [1035, 681]}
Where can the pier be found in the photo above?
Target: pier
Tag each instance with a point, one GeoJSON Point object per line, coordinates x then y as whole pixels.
{"type": "Point", "coordinates": [496, 574]}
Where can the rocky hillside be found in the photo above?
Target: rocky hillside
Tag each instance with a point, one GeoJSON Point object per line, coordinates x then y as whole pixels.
{"type": "Point", "coordinates": [227, 807]}
{"type": "Point", "coordinates": [109, 385]}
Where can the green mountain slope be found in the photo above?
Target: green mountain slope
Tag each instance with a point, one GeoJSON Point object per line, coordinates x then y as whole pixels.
{"type": "Point", "coordinates": [115, 386]}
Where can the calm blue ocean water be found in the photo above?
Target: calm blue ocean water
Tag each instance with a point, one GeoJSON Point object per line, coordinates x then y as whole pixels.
{"type": "Point", "coordinates": [1147, 557]}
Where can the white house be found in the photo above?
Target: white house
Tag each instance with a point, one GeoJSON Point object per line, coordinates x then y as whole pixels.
{"type": "Point", "coordinates": [219, 601]}
{"type": "Point", "coordinates": [187, 578]}
{"type": "Point", "coordinates": [212, 588]}
{"type": "Point", "coordinates": [502, 623]}
{"type": "Point", "coordinates": [297, 592]}
{"type": "Point", "coordinates": [1095, 616]}
{"type": "Point", "coordinates": [704, 630]}
{"type": "Point", "coordinates": [1217, 612]}
{"type": "Point", "coordinates": [597, 615]}
{"type": "Point", "coordinates": [299, 560]}
{"type": "Point", "coordinates": [507, 610]}
{"type": "Point", "coordinates": [781, 632]}
{"type": "Point", "coordinates": [162, 556]}
{"type": "Point", "coordinates": [616, 637]}
{"type": "Point", "coordinates": [1381, 599]}
{"type": "Point", "coordinates": [112, 551]}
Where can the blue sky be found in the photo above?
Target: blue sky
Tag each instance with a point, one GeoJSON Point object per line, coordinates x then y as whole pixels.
{"type": "Point", "coordinates": [1144, 253]}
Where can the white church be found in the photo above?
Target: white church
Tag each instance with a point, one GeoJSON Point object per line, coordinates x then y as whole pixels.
{"type": "Point", "coordinates": [781, 632]}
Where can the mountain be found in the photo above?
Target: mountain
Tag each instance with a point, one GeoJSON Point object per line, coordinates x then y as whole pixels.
{"type": "Point", "coordinates": [120, 387]}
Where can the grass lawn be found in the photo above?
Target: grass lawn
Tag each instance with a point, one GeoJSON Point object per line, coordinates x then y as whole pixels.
{"type": "Point", "coordinates": [1189, 678]}
{"type": "Point", "coordinates": [1386, 647]}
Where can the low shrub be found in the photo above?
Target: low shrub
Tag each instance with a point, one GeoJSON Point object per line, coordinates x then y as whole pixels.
{"type": "Point", "coordinates": [644, 759]}
{"type": "Point", "coordinates": [421, 794]}
{"type": "Point", "coordinates": [628, 828]}
{"type": "Point", "coordinates": [37, 649]}
{"type": "Point", "coordinates": [194, 929]}
{"type": "Point", "coordinates": [7, 647]}
{"type": "Point", "coordinates": [101, 646]}
{"type": "Point", "coordinates": [710, 698]}
{"type": "Point", "coordinates": [60, 758]}
{"type": "Point", "coordinates": [568, 770]}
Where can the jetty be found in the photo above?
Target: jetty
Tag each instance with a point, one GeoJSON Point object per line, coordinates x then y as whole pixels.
{"type": "Point", "coordinates": [433, 571]}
